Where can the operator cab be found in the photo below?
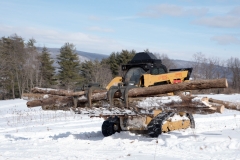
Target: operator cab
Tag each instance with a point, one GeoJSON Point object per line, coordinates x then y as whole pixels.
{"type": "Point", "coordinates": [142, 63]}
{"type": "Point", "coordinates": [133, 75]}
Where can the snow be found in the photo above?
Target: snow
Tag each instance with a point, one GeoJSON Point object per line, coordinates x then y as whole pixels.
{"type": "Point", "coordinates": [36, 134]}
{"type": "Point", "coordinates": [45, 96]}
{"type": "Point", "coordinates": [178, 118]}
{"type": "Point", "coordinates": [156, 101]}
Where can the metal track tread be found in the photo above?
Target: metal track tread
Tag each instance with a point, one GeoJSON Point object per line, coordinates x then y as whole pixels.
{"type": "Point", "coordinates": [155, 126]}
{"type": "Point", "coordinates": [111, 126]}
{"type": "Point", "coordinates": [192, 122]}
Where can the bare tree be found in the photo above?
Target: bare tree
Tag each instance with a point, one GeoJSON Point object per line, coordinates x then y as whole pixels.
{"type": "Point", "coordinates": [32, 65]}
{"type": "Point", "coordinates": [234, 67]}
{"type": "Point", "coordinates": [224, 73]}
{"type": "Point", "coordinates": [198, 59]}
{"type": "Point", "coordinates": [212, 68]}
{"type": "Point", "coordinates": [101, 73]}
{"type": "Point", "coordinates": [165, 60]}
{"type": "Point", "coordinates": [205, 68]}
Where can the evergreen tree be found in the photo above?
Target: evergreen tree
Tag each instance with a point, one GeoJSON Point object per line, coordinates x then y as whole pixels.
{"type": "Point", "coordinates": [69, 66]}
{"type": "Point", "coordinates": [115, 60]}
{"type": "Point", "coordinates": [87, 71]}
{"type": "Point", "coordinates": [125, 56]}
{"type": "Point", "coordinates": [47, 70]}
{"type": "Point", "coordinates": [147, 50]}
{"type": "Point", "coordinates": [13, 58]}
{"type": "Point", "coordinates": [112, 62]}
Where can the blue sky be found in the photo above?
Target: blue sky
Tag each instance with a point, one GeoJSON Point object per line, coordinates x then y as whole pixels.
{"type": "Point", "coordinates": [178, 28]}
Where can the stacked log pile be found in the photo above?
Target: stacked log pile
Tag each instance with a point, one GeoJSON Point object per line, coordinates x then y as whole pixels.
{"type": "Point", "coordinates": [63, 99]}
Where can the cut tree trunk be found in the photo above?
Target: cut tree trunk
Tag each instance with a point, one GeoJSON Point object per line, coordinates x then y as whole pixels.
{"type": "Point", "coordinates": [55, 100]}
{"type": "Point", "coordinates": [218, 107]}
{"type": "Point", "coordinates": [59, 92]}
{"type": "Point", "coordinates": [190, 85]}
{"type": "Point", "coordinates": [228, 105]}
{"type": "Point", "coordinates": [193, 108]}
{"type": "Point", "coordinates": [163, 89]}
{"type": "Point", "coordinates": [189, 104]}
{"type": "Point", "coordinates": [215, 106]}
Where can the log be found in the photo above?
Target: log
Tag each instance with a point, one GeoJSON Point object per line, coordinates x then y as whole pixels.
{"type": "Point", "coordinates": [50, 101]}
{"type": "Point", "coordinates": [219, 108]}
{"type": "Point", "coordinates": [200, 109]}
{"type": "Point", "coordinates": [163, 89]}
{"type": "Point", "coordinates": [190, 104]}
{"type": "Point", "coordinates": [33, 96]}
{"type": "Point", "coordinates": [59, 92]}
{"type": "Point", "coordinates": [62, 92]}
{"type": "Point", "coordinates": [190, 85]}
{"type": "Point", "coordinates": [228, 105]}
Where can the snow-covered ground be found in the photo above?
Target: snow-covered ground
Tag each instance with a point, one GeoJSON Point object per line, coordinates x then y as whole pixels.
{"type": "Point", "coordinates": [36, 134]}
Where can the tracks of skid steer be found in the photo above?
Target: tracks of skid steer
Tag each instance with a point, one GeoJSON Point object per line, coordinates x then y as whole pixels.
{"type": "Point", "coordinates": [154, 128]}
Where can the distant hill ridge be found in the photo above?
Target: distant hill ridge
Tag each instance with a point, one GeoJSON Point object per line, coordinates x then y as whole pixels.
{"type": "Point", "coordinates": [82, 55]}
{"type": "Point", "coordinates": [96, 56]}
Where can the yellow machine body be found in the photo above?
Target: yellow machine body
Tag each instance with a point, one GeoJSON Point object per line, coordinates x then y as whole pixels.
{"type": "Point", "coordinates": [170, 78]}
{"type": "Point", "coordinates": [147, 80]}
{"type": "Point", "coordinates": [139, 123]}
{"type": "Point", "coordinates": [114, 82]}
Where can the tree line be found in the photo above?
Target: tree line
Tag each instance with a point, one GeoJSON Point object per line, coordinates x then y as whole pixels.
{"type": "Point", "coordinates": [23, 67]}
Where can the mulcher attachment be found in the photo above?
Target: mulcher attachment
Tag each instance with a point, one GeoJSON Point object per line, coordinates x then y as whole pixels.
{"type": "Point", "coordinates": [111, 126]}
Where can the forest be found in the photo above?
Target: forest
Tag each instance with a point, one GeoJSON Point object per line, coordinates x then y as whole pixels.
{"type": "Point", "coordinates": [23, 67]}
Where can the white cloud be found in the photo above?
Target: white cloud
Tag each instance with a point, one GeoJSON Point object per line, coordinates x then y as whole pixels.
{"type": "Point", "coordinates": [124, 18]}
{"type": "Point", "coordinates": [99, 29]}
{"type": "Point", "coordinates": [226, 39]}
{"type": "Point", "coordinates": [196, 11]}
{"type": "Point", "coordinates": [94, 18]}
{"type": "Point", "coordinates": [52, 38]}
{"type": "Point", "coordinates": [235, 11]}
{"type": "Point", "coordinates": [231, 19]}
{"type": "Point", "coordinates": [173, 10]}
{"type": "Point", "coordinates": [219, 21]}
